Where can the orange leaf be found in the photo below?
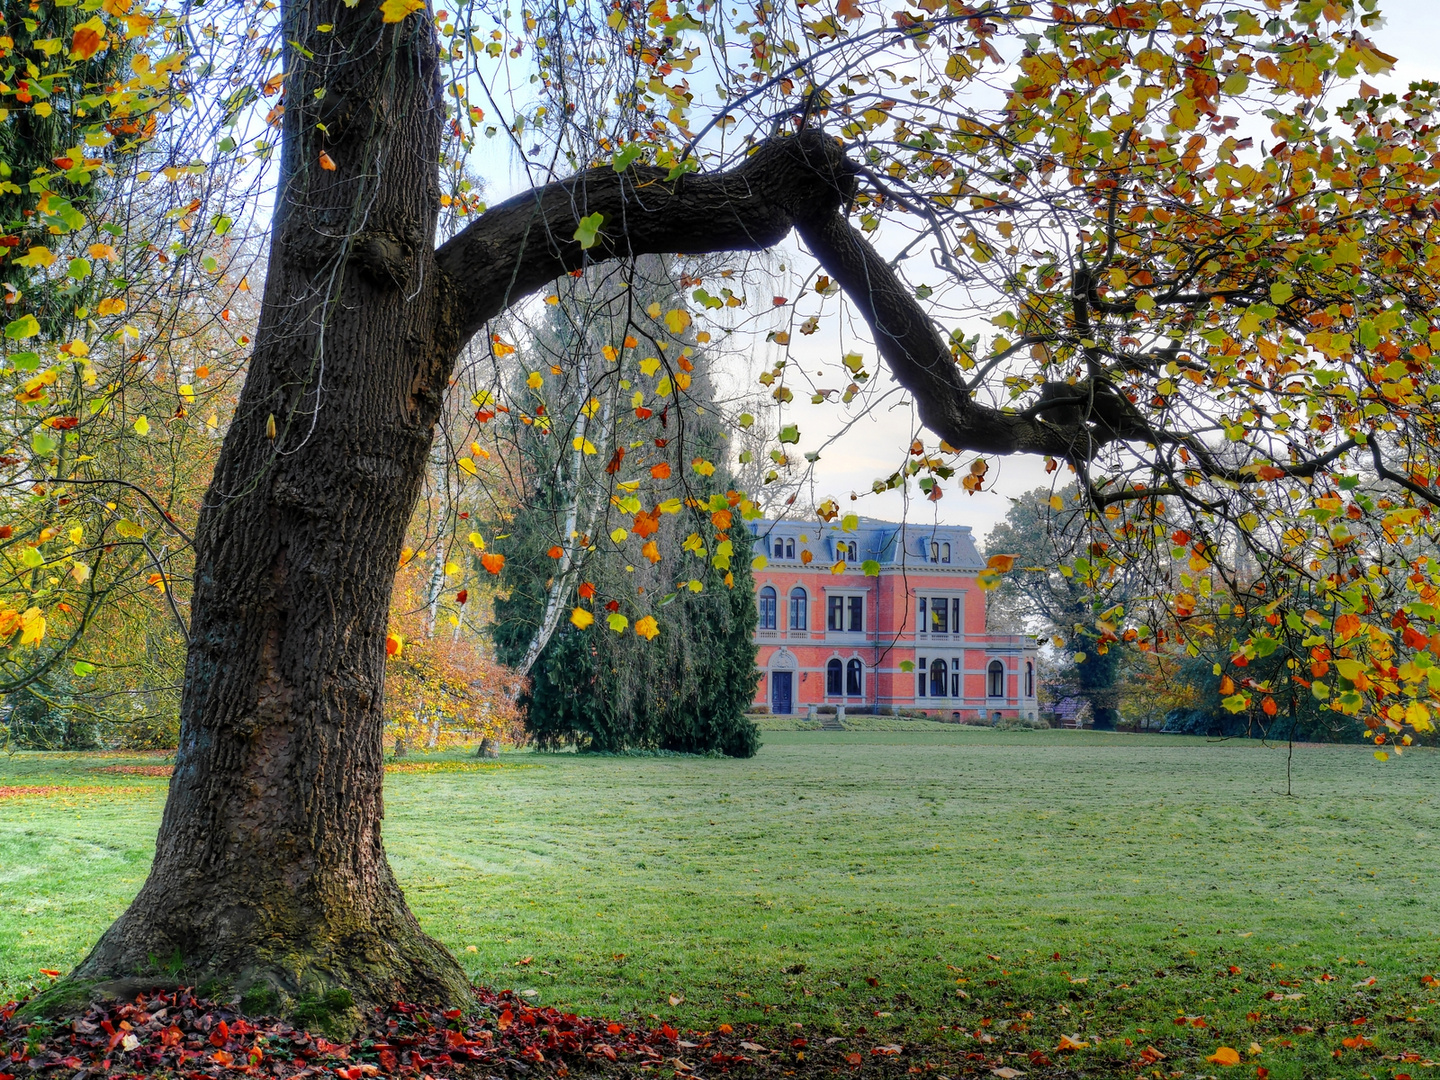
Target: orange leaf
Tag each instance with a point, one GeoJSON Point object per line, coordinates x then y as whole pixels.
{"type": "Point", "coordinates": [327, 162]}
{"type": "Point", "coordinates": [86, 42]}
{"type": "Point", "coordinates": [1002, 564]}
{"type": "Point", "coordinates": [394, 644]}
{"type": "Point", "coordinates": [586, 590]}
{"type": "Point", "coordinates": [660, 471]}
{"type": "Point", "coordinates": [492, 562]}
{"type": "Point", "coordinates": [1226, 1055]}
{"type": "Point", "coordinates": [1068, 1042]}
{"type": "Point", "coordinates": [556, 551]}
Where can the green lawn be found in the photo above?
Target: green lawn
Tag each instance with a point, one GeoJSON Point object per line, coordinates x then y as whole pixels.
{"type": "Point", "coordinates": [1108, 884]}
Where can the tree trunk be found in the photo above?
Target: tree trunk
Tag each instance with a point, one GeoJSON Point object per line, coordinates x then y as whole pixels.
{"type": "Point", "coordinates": [269, 869]}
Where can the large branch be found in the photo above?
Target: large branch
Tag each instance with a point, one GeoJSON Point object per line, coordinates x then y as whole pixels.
{"type": "Point", "coordinates": [801, 182]}
{"type": "Point", "coordinates": [918, 356]}
{"type": "Point", "coordinates": [526, 242]}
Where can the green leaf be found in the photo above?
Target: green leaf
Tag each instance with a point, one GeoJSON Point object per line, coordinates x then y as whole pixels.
{"type": "Point", "coordinates": [27, 326]}
{"type": "Point", "coordinates": [79, 269]}
{"type": "Point", "coordinates": [871, 568]}
{"type": "Point", "coordinates": [32, 558]}
{"type": "Point", "coordinates": [790, 433]}
{"type": "Point", "coordinates": [43, 442]}
{"type": "Point", "coordinates": [82, 669]}
{"type": "Point", "coordinates": [746, 420]}
{"type": "Point", "coordinates": [626, 157]}
{"type": "Point", "coordinates": [907, 665]}
{"type": "Point", "coordinates": [588, 232]}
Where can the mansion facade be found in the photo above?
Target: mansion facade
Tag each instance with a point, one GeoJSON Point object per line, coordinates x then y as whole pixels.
{"type": "Point", "coordinates": [911, 638]}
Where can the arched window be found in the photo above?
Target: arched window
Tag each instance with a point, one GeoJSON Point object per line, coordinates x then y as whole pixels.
{"type": "Point", "coordinates": [997, 678]}
{"type": "Point", "coordinates": [854, 552]}
{"type": "Point", "coordinates": [767, 608]}
{"type": "Point", "coordinates": [854, 679]}
{"type": "Point", "coordinates": [944, 552]}
{"type": "Point", "coordinates": [834, 673]}
{"type": "Point", "coordinates": [779, 548]}
{"type": "Point", "coordinates": [789, 549]}
{"type": "Point", "coordinates": [939, 678]}
{"type": "Point", "coordinates": [934, 551]}
{"type": "Point", "coordinates": [799, 605]}
{"type": "Point", "coordinates": [1029, 679]}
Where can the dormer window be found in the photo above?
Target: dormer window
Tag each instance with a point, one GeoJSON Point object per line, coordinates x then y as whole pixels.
{"type": "Point", "coordinates": [850, 551]}
{"type": "Point", "coordinates": [934, 551]}
{"type": "Point", "coordinates": [784, 548]}
{"type": "Point", "coordinates": [789, 549]}
{"type": "Point", "coordinates": [944, 552]}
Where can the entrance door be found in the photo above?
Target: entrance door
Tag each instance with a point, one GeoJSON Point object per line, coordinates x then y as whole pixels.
{"type": "Point", "coordinates": [780, 690]}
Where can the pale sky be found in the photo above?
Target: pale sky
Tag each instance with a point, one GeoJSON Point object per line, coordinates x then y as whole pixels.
{"type": "Point", "coordinates": [876, 444]}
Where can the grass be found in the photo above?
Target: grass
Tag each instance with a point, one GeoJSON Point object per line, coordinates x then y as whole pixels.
{"type": "Point", "coordinates": [1106, 884]}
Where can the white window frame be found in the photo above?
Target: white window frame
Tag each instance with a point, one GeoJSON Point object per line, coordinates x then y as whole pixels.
{"type": "Point", "coordinates": [954, 614]}
{"type": "Point", "coordinates": [847, 596]}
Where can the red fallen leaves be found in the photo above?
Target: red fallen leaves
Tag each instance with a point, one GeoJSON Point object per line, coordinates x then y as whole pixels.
{"type": "Point", "coordinates": [178, 1035]}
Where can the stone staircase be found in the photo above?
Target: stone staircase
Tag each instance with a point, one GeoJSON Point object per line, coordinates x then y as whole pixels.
{"type": "Point", "coordinates": [831, 722]}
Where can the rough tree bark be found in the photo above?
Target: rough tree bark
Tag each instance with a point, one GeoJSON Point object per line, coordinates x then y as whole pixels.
{"type": "Point", "coordinates": [269, 873]}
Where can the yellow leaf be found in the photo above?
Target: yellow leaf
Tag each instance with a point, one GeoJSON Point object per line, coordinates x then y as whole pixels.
{"type": "Point", "coordinates": [38, 256]}
{"type": "Point", "coordinates": [394, 644]}
{"type": "Point", "coordinates": [77, 534]}
{"type": "Point", "coordinates": [1057, 503]}
{"type": "Point", "coordinates": [476, 541]}
{"type": "Point", "coordinates": [617, 622]}
{"type": "Point", "coordinates": [591, 407]}
{"type": "Point", "coordinates": [102, 251]}
{"type": "Point", "coordinates": [142, 426]}
{"type": "Point", "coordinates": [111, 305]}
{"type": "Point", "coordinates": [678, 320]}
{"type": "Point", "coordinates": [618, 535]}
{"type": "Point", "coordinates": [647, 628]}
{"type": "Point", "coordinates": [393, 11]}
{"type": "Point", "coordinates": [32, 626]}
{"type": "Point", "coordinates": [583, 444]}
{"type": "Point", "coordinates": [650, 365]}
{"type": "Point", "coordinates": [1071, 1042]}
{"type": "Point", "coordinates": [80, 572]}
{"type": "Point", "coordinates": [467, 466]}
{"type": "Point", "coordinates": [1226, 1055]}
{"type": "Point", "coordinates": [534, 380]}
{"type": "Point", "coordinates": [653, 310]}
{"type": "Point", "coordinates": [130, 530]}
{"type": "Point", "coordinates": [663, 387]}
{"type": "Point", "coordinates": [703, 467]}
{"type": "Point", "coordinates": [580, 618]}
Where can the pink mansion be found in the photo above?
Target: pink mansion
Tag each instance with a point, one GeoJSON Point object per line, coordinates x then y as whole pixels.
{"type": "Point", "coordinates": [911, 638]}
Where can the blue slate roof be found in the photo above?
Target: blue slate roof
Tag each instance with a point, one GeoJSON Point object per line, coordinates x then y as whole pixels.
{"type": "Point", "coordinates": [887, 542]}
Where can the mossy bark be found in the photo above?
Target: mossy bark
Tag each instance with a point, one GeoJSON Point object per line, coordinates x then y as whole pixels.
{"type": "Point", "coordinates": [269, 869]}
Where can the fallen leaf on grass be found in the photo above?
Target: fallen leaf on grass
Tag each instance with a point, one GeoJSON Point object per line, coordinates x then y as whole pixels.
{"type": "Point", "coordinates": [1149, 1056]}
{"type": "Point", "coordinates": [1071, 1042]}
{"type": "Point", "coordinates": [1225, 1055]}
{"type": "Point", "coordinates": [677, 999]}
{"type": "Point", "coordinates": [1006, 1073]}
